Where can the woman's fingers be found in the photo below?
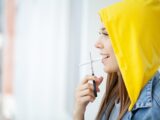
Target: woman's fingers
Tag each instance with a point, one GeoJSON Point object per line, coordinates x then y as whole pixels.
{"type": "Point", "coordinates": [87, 78]}
{"type": "Point", "coordinates": [89, 85]}
{"type": "Point", "coordinates": [88, 91]}
{"type": "Point", "coordinates": [86, 86]}
{"type": "Point", "coordinates": [99, 80]}
{"type": "Point", "coordinates": [86, 99]}
{"type": "Point", "coordinates": [85, 91]}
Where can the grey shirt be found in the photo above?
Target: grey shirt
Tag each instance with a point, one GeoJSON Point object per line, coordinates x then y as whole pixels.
{"type": "Point", "coordinates": [114, 113]}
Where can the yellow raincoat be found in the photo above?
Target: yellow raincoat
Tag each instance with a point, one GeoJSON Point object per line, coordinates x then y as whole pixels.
{"type": "Point", "coordinates": [134, 30]}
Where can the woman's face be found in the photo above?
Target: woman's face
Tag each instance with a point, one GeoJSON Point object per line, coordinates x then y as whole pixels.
{"type": "Point", "coordinates": [106, 51]}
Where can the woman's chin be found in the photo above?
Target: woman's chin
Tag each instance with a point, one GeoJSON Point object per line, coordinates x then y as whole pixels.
{"type": "Point", "coordinates": [109, 70]}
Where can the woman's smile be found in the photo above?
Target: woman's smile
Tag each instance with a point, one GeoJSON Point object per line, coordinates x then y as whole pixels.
{"type": "Point", "coordinates": [104, 57]}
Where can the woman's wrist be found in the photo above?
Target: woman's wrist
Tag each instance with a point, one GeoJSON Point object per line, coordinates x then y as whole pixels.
{"type": "Point", "coordinates": [78, 114]}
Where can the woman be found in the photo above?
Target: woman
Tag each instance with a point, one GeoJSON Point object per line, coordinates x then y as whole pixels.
{"type": "Point", "coordinates": [130, 47]}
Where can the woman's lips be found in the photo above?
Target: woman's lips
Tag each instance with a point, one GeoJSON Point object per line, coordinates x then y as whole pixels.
{"type": "Point", "coordinates": [104, 59]}
{"type": "Point", "coordinates": [105, 56]}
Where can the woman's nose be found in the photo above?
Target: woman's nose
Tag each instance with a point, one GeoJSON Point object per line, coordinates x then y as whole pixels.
{"type": "Point", "coordinates": [99, 45]}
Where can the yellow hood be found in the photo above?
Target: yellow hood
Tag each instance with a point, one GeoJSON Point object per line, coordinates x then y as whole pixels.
{"type": "Point", "coordinates": [134, 30]}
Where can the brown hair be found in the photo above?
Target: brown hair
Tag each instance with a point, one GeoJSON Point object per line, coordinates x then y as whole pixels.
{"type": "Point", "coordinates": [115, 90]}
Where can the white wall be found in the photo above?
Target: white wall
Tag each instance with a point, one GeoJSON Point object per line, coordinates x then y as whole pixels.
{"type": "Point", "coordinates": [40, 59]}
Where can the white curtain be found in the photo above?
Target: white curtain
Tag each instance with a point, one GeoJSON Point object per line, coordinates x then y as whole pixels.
{"type": "Point", "coordinates": [41, 46]}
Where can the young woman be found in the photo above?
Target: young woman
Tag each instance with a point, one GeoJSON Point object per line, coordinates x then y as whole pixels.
{"type": "Point", "coordinates": [129, 44]}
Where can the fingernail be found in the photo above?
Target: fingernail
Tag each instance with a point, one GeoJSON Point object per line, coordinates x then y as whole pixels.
{"type": "Point", "coordinates": [98, 90]}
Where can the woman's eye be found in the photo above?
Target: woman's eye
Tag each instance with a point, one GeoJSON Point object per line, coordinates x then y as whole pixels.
{"type": "Point", "coordinates": [103, 33]}
{"type": "Point", "coordinates": [106, 34]}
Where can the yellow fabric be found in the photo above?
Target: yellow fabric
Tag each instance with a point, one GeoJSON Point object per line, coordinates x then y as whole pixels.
{"type": "Point", "coordinates": [134, 30]}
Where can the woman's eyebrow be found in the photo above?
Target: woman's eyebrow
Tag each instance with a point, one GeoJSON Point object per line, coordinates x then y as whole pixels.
{"type": "Point", "coordinates": [103, 28]}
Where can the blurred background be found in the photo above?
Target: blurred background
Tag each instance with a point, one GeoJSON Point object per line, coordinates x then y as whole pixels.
{"type": "Point", "coordinates": [42, 43]}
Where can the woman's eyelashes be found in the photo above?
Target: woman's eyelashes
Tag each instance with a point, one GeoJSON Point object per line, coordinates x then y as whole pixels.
{"type": "Point", "coordinates": [103, 33]}
{"type": "Point", "coordinates": [106, 34]}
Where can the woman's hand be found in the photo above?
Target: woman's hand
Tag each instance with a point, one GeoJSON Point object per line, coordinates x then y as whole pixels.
{"type": "Point", "coordinates": [84, 95]}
